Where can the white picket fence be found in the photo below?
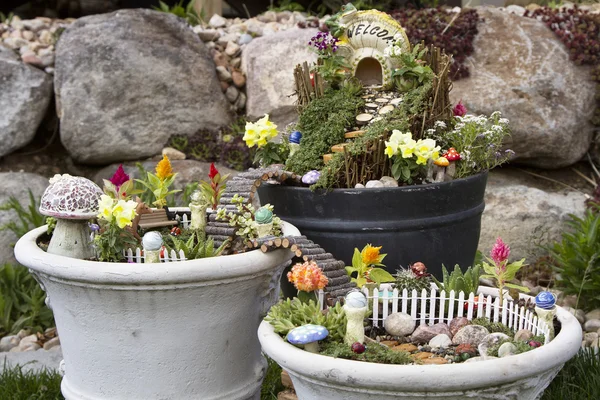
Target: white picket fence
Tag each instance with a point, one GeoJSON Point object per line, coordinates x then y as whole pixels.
{"type": "Point", "coordinates": [138, 257]}
{"type": "Point", "coordinates": [431, 307]}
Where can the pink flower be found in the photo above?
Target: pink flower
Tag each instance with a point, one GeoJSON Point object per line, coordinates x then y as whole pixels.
{"type": "Point", "coordinates": [213, 171]}
{"type": "Point", "coordinates": [500, 252]}
{"type": "Point", "coordinates": [120, 177]}
{"type": "Point", "coordinates": [459, 110]}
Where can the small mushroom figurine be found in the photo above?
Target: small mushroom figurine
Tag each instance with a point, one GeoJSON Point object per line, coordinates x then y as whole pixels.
{"type": "Point", "coordinates": [308, 336]}
{"type": "Point", "coordinates": [311, 177]}
{"type": "Point", "coordinates": [451, 155]}
{"type": "Point", "coordinates": [355, 308]}
{"type": "Point", "coordinates": [545, 308]}
{"type": "Point", "coordinates": [440, 168]}
{"type": "Point", "coordinates": [73, 201]}
{"type": "Point", "coordinates": [152, 243]}
{"type": "Point", "coordinates": [264, 220]}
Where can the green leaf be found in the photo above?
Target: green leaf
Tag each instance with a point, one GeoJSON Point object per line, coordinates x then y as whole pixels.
{"type": "Point", "coordinates": [380, 275]}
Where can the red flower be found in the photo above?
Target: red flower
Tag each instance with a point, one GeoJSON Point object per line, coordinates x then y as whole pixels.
{"type": "Point", "coordinates": [213, 171]}
{"type": "Point", "coordinates": [119, 177]}
{"type": "Point", "coordinates": [500, 252]}
{"type": "Point", "coordinates": [459, 110]}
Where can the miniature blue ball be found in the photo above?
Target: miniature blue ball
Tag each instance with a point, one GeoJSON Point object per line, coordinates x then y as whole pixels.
{"type": "Point", "coordinates": [295, 137]}
{"type": "Point", "coordinates": [545, 300]}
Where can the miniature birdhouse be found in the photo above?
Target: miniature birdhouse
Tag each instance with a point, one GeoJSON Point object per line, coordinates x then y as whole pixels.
{"type": "Point", "coordinates": [364, 35]}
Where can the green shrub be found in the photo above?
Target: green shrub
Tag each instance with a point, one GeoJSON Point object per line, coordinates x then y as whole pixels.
{"type": "Point", "coordinates": [577, 259]}
{"type": "Point", "coordinates": [22, 302]}
{"type": "Point", "coordinates": [187, 13]}
{"type": "Point", "coordinates": [458, 281]}
{"type": "Point", "coordinates": [28, 218]}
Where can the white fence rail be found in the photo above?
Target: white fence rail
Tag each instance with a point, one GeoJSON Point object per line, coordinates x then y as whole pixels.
{"type": "Point", "coordinates": [138, 257]}
{"type": "Point", "coordinates": [432, 306]}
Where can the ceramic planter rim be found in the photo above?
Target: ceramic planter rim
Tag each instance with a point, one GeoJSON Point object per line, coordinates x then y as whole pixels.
{"type": "Point", "coordinates": [459, 376]}
{"type": "Point", "coordinates": [216, 269]}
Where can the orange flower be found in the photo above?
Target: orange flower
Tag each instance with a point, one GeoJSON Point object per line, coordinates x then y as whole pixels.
{"type": "Point", "coordinates": [371, 256]}
{"type": "Point", "coordinates": [163, 168]}
{"type": "Point", "coordinates": [307, 277]}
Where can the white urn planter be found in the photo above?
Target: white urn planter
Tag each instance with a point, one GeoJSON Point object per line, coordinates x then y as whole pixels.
{"type": "Point", "coordinates": [177, 330]}
{"type": "Point", "coordinates": [519, 377]}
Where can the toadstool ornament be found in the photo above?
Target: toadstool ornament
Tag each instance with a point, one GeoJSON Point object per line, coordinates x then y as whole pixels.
{"type": "Point", "coordinates": [73, 201]}
{"type": "Point", "coordinates": [311, 177]}
{"type": "Point", "coordinates": [545, 308]}
{"type": "Point", "coordinates": [355, 308]}
{"type": "Point", "coordinates": [152, 243]}
{"type": "Point", "coordinates": [451, 155]}
{"type": "Point", "coordinates": [308, 336]}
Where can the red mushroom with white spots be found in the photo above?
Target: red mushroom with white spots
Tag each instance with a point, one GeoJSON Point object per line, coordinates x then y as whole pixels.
{"type": "Point", "coordinates": [452, 156]}
{"type": "Point", "coordinates": [73, 201]}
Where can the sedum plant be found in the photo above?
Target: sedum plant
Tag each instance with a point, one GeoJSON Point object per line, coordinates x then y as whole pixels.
{"type": "Point", "coordinates": [292, 313]}
{"type": "Point", "coordinates": [466, 282]}
{"type": "Point", "coordinates": [244, 219]}
{"type": "Point", "coordinates": [577, 259]}
{"type": "Point", "coordinates": [194, 247]}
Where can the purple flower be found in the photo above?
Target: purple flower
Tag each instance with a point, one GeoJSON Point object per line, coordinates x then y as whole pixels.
{"type": "Point", "coordinates": [94, 227]}
{"type": "Point", "coordinates": [459, 110]}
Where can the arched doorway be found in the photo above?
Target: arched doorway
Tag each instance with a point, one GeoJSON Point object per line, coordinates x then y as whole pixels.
{"type": "Point", "coordinates": [369, 72]}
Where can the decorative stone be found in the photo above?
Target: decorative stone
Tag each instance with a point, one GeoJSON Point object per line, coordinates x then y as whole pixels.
{"type": "Point", "coordinates": [465, 348]}
{"type": "Point", "coordinates": [592, 325]}
{"type": "Point", "coordinates": [399, 324]}
{"type": "Point", "coordinates": [440, 341]}
{"type": "Point", "coordinates": [490, 340]}
{"type": "Point", "coordinates": [244, 39]}
{"type": "Point", "coordinates": [52, 343]}
{"type": "Point", "coordinates": [173, 154]}
{"type": "Point", "coordinates": [9, 342]}
{"type": "Point", "coordinates": [407, 347]}
{"type": "Point", "coordinates": [523, 335]}
{"type": "Point", "coordinates": [457, 323]}
{"type": "Point", "coordinates": [374, 184]}
{"type": "Point", "coordinates": [594, 314]}
{"type": "Point", "coordinates": [372, 105]}
{"type": "Point", "coordinates": [362, 119]}
{"type": "Point", "coordinates": [589, 338]}
{"type": "Point", "coordinates": [23, 333]}
{"type": "Point", "coordinates": [353, 134]}
{"type": "Point", "coordinates": [238, 78]}
{"type": "Point", "coordinates": [421, 355]}
{"type": "Point", "coordinates": [216, 21]}
{"type": "Point", "coordinates": [388, 181]}
{"type": "Point", "coordinates": [434, 361]}
{"type": "Point", "coordinates": [507, 349]}
{"type": "Point", "coordinates": [545, 300]}
{"type": "Point", "coordinates": [389, 343]}
{"type": "Point", "coordinates": [232, 49]}
{"type": "Point", "coordinates": [223, 74]}
{"type": "Point", "coordinates": [381, 100]}
{"type": "Point", "coordinates": [472, 334]}
{"type": "Point", "coordinates": [386, 109]}
{"type": "Point", "coordinates": [424, 333]}
{"type": "Point", "coordinates": [358, 185]}
{"type": "Point", "coordinates": [356, 299]}
{"type": "Point", "coordinates": [231, 94]}
{"type": "Point", "coordinates": [396, 101]}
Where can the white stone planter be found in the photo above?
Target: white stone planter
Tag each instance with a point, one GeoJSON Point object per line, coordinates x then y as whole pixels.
{"type": "Point", "coordinates": [180, 330]}
{"type": "Point", "coordinates": [522, 377]}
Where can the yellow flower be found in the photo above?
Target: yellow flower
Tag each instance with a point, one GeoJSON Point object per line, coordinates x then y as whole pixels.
{"type": "Point", "coordinates": [371, 256]}
{"type": "Point", "coordinates": [124, 212]}
{"type": "Point", "coordinates": [426, 149]}
{"type": "Point", "coordinates": [408, 148]}
{"type": "Point", "coordinates": [400, 141]}
{"type": "Point", "coordinates": [250, 136]}
{"type": "Point", "coordinates": [390, 149]}
{"type": "Point", "coordinates": [105, 205]}
{"type": "Point", "coordinates": [163, 168]}
{"type": "Point", "coordinates": [259, 133]}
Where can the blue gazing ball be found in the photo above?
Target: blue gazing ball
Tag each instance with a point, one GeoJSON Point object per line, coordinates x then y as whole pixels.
{"type": "Point", "coordinates": [545, 300]}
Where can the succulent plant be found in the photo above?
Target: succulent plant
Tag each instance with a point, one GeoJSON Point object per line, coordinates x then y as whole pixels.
{"type": "Point", "coordinates": [466, 282]}
{"type": "Point", "coordinates": [407, 279]}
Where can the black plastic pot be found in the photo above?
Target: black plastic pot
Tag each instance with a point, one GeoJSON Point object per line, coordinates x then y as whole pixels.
{"type": "Point", "coordinates": [436, 223]}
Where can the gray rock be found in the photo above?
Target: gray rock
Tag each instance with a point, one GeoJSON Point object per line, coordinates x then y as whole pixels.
{"type": "Point", "coordinates": [16, 184]}
{"type": "Point", "coordinates": [9, 342]}
{"type": "Point", "coordinates": [457, 323]}
{"type": "Point", "coordinates": [388, 181]}
{"type": "Point", "coordinates": [490, 340]}
{"type": "Point", "coordinates": [523, 335]}
{"type": "Point", "coordinates": [590, 338]}
{"type": "Point", "coordinates": [231, 94]}
{"type": "Point", "coordinates": [25, 93]}
{"type": "Point", "coordinates": [32, 360]}
{"type": "Point", "coordinates": [594, 314]}
{"type": "Point", "coordinates": [529, 77]}
{"type": "Point", "coordinates": [244, 39]}
{"type": "Point", "coordinates": [399, 324]}
{"type": "Point", "coordinates": [440, 341]}
{"type": "Point", "coordinates": [216, 21]}
{"type": "Point", "coordinates": [471, 334]}
{"type": "Point", "coordinates": [506, 349]}
{"type": "Point", "coordinates": [424, 333]}
{"type": "Point", "coordinates": [513, 199]}
{"type": "Point", "coordinates": [591, 325]}
{"type": "Point", "coordinates": [126, 81]}
{"type": "Point", "coordinates": [374, 184]}
{"type": "Point", "coordinates": [269, 64]}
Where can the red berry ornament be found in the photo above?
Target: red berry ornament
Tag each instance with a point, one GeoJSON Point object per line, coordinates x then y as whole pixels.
{"type": "Point", "coordinates": [358, 348]}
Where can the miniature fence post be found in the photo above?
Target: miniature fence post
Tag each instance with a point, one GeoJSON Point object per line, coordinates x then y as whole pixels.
{"type": "Point", "coordinates": [442, 306]}
{"type": "Point", "coordinates": [395, 300]}
{"type": "Point", "coordinates": [432, 307]}
{"type": "Point", "coordinates": [424, 300]}
{"type": "Point", "coordinates": [461, 304]}
{"type": "Point", "coordinates": [413, 305]}
{"type": "Point", "coordinates": [451, 306]}
{"type": "Point", "coordinates": [497, 309]}
{"type": "Point", "coordinates": [321, 299]}
{"type": "Point", "coordinates": [480, 306]}
{"type": "Point", "coordinates": [404, 300]}
{"type": "Point", "coordinates": [375, 307]}
{"type": "Point", "coordinates": [182, 256]}
{"type": "Point", "coordinates": [185, 222]}
{"type": "Point", "coordinates": [129, 255]}
{"type": "Point", "coordinates": [521, 318]}
{"type": "Point", "coordinates": [385, 304]}
{"type": "Point", "coordinates": [138, 255]}
{"type": "Point", "coordinates": [504, 310]}
{"type": "Point", "coordinates": [488, 307]}
{"type": "Point", "coordinates": [470, 306]}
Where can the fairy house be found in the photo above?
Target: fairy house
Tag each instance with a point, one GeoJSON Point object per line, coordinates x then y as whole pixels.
{"type": "Point", "coordinates": [364, 35]}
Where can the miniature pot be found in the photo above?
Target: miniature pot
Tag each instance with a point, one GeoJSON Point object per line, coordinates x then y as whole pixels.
{"type": "Point", "coordinates": [436, 223]}
{"type": "Point", "coordinates": [178, 330]}
{"type": "Point", "coordinates": [523, 376]}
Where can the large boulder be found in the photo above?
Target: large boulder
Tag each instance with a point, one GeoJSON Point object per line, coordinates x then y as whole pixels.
{"type": "Point", "coordinates": [269, 63]}
{"type": "Point", "coordinates": [17, 185]}
{"type": "Point", "coordinates": [525, 213]}
{"type": "Point", "coordinates": [126, 81]}
{"type": "Point", "coordinates": [25, 93]}
{"type": "Point", "coordinates": [520, 68]}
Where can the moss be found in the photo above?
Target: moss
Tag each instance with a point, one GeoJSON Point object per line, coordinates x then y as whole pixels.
{"type": "Point", "coordinates": [493, 326]}
{"type": "Point", "coordinates": [323, 124]}
{"type": "Point", "coordinates": [373, 353]}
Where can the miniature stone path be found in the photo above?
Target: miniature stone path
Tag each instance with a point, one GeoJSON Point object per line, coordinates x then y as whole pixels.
{"type": "Point", "coordinates": [245, 185]}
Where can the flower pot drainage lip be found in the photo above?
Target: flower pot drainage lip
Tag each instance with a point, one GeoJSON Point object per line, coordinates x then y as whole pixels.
{"type": "Point", "coordinates": [459, 376]}
{"type": "Point", "coordinates": [234, 266]}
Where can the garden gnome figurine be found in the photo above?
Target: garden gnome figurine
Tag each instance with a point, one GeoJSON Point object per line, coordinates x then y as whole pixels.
{"type": "Point", "coordinates": [152, 242]}
{"type": "Point", "coordinates": [545, 309]}
{"type": "Point", "coordinates": [264, 221]}
{"type": "Point", "coordinates": [198, 207]}
{"type": "Point", "coordinates": [355, 309]}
